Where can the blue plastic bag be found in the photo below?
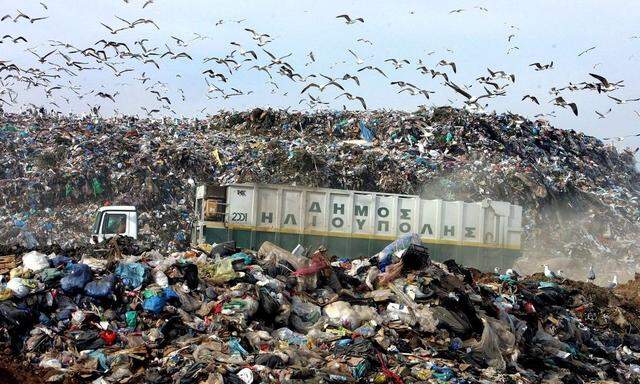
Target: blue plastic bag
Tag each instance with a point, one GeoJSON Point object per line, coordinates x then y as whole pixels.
{"type": "Point", "coordinates": [154, 304]}
{"type": "Point", "coordinates": [170, 294]}
{"type": "Point", "coordinates": [401, 243]}
{"type": "Point", "coordinates": [236, 348]}
{"type": "Point", "coordinates": [59, 261]}
{"type": "Point", "coordinates": [365, 132]}
{"type": "Point", "coordinates": [79, 276]}
{"type": "Point", "coordinates": [100, 288]}
{"type": "Point", "coordinates": [131, 274]}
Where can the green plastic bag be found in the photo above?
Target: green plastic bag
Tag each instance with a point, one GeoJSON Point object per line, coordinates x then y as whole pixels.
{"type": "Point", "coordinates": [51, 274]}
{"type": "Point", "coordinates": [68, 190]}
{"type": "Point", "coordinates": [97, 187]}
{"type": "Point", "coordinates": [131, 318]}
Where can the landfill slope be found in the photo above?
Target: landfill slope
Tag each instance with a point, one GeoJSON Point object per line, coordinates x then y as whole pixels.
{"type": "Point", "coordinates": [118, 312]}
{"type": "Point", "coordinates": [580, 195]}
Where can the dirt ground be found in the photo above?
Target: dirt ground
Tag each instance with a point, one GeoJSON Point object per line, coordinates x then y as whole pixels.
{"type": "Point", "coordinates": [12, 372]}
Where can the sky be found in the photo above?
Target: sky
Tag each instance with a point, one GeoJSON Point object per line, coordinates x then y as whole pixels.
{"type": "Point", "coordinates": [475, 39]}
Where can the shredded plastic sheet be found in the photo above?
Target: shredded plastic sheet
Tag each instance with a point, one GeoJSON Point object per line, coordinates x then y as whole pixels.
{"type": "Point", "coordinates": [496, 343]}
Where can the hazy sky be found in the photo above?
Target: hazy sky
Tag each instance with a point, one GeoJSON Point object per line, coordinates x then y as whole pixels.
{"type": "Point", "coordinates": [474, 39]}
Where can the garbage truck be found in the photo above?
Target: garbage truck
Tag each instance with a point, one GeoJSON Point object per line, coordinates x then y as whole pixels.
{"type": "Point", "coordinates": [349, 224]}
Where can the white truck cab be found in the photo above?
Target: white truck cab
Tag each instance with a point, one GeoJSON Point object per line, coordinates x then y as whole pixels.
{"type": "Point", "coordinates": [114, 220]}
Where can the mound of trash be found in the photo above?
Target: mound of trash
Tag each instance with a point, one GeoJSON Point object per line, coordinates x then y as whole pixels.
{"type": "Point", "coordinates": [580, 195]}
{"type": "Point", "coordinates": [218, 314]}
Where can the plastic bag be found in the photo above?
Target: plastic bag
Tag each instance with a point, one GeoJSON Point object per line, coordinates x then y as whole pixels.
{"type": "Point", "coordinates": [60, 261]}
{"type": "Point", "coordinates": [154, 304]}
{"type": "Point", "coordinates": [157, 303]}
{"type": "Point", "coordinates": [426, 319]}
{"type": "Point", "coordinates": [95, 264]}
{"type": "Point", "coordinates": [190, 273]}
{"type": "Point", "coordinates": [76, 280]}
{"type": "Point", "coordinates": [496, 340]}
{"type": "Point", "coordinates": [19, 287]}
{"type": "Point", "coordinates": [269, 306]}
{"type": "Point", "coordinates": [50, 274]}
{"type": "Point", "coordinates": [13, 316]}
{"type": "Point", "coordinates": [385, 256]}
{"type": "Point", "coordinates": [35, 261]}
{"type": "Point", "coordinates": [451, 320]}
{"type": "Point", "coordinates": [220, 272]}
{"type": "Point", "coordinates": [304, 315]}
{"type": "Point", "coordinates": [223, 249]}
{"type": "Point", "coordinates": [131, 274]}
{"type": "Point", "coordinates": [317, 264]}
{"type": "Point", "coordinates": [285, 334]}
{"type": "Point", "coordinates": [131, 319]}
{"type": "Point", "coordinates": [342, 313]}
{"type": "Point", "coordinates": [365, 133]}
{"type": "Point", "coordinates": [246, 375]}
{"type": "Point", "coordinates": [160, 279]}
{"type": "Point", "coordinates": [100, 288]}
{"type": "Point", "coordinates": [236, 348]}
{"type": "Point", "coordinates": [5, 293]}
{"type": "Point", "coordinates": [401, 313]}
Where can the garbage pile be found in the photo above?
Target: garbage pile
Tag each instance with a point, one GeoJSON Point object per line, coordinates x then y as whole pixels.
{"type": "Point", "coordinates": [580, 195]}
{"type": "Point", "coordinates": [218, 314]}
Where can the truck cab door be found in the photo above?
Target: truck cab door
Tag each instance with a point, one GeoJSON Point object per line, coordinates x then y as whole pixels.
{"type": "Point", "coordinates": [132, 224]}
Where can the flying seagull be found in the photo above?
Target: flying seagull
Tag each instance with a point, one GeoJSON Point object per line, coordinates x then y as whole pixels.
{"type": "Point", "coordinates": [622, 101]}
{"type": "Point", "coordinates": [560, 102]}
{"type": "Point", "coordinates": [351, 97]}
{"type": "Point", "coordinates": [450, 63]}
{"type": "Point", "coordinates": [349, 20]}
{"type": "Point", "coordinates": [541, 67]}
{"type": "Point", "coordinates": [532, 98]}
{"type": "Point", "coordinates": [470, 99]}
{"type": "Point", "coordinates": [351, 77]}
{"type": "Point", "coordinates": [359, 61]}
{"type": "Point", "coordinates": [602, 115]}
{"type": "Point", "coordinates": [105, 96]}
{"type": "Point", "coordinates": [42, 59]}
{"type": "Point", "coordinates": [321, 88]}
{"type": "Point", "coordinates": [398, 63]}
{"type": "Point", "coordinates": [372, 68]}
{"type": "Point", "coordinates": [605, 85]}
{"type": "Point", "coordinates": [587, 50]}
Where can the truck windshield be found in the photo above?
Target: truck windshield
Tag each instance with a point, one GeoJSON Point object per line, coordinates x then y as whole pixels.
{"type": "Point", "coordinates": [96, 223]}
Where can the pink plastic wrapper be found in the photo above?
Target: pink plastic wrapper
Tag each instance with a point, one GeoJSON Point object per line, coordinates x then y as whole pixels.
{"type": "Point", "coordinates": [318, 263]}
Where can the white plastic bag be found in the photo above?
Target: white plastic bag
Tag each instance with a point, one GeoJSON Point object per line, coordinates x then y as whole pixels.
{"type": "Point", "coordinates": [160, 278]}
{"type": "Point", "coordinates": [35, 261]}
{"type": "Point", "coordinates": [95, 264]}
{"type": "Point", "coordinates": [17, 285]}
{"type": "Point", "coordinates": [246, 375]}
{"type": "Point", "coordinates": [342, 313]}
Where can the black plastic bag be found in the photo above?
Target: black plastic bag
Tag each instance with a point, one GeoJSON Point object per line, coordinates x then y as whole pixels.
{"type": "Point", "coordinates": [223, 249]}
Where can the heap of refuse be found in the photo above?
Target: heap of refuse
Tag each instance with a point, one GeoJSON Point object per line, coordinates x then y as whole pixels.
{"type": "Point", "coordinates": [218, 314]}
{"type": "Point", "coordinates": [580, 195]}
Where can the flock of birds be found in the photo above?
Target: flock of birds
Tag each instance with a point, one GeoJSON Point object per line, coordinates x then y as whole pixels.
{"type": "Point", "coordinates": [556, 275]}
{"type": "Point", "coordinates": [54, 70]}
